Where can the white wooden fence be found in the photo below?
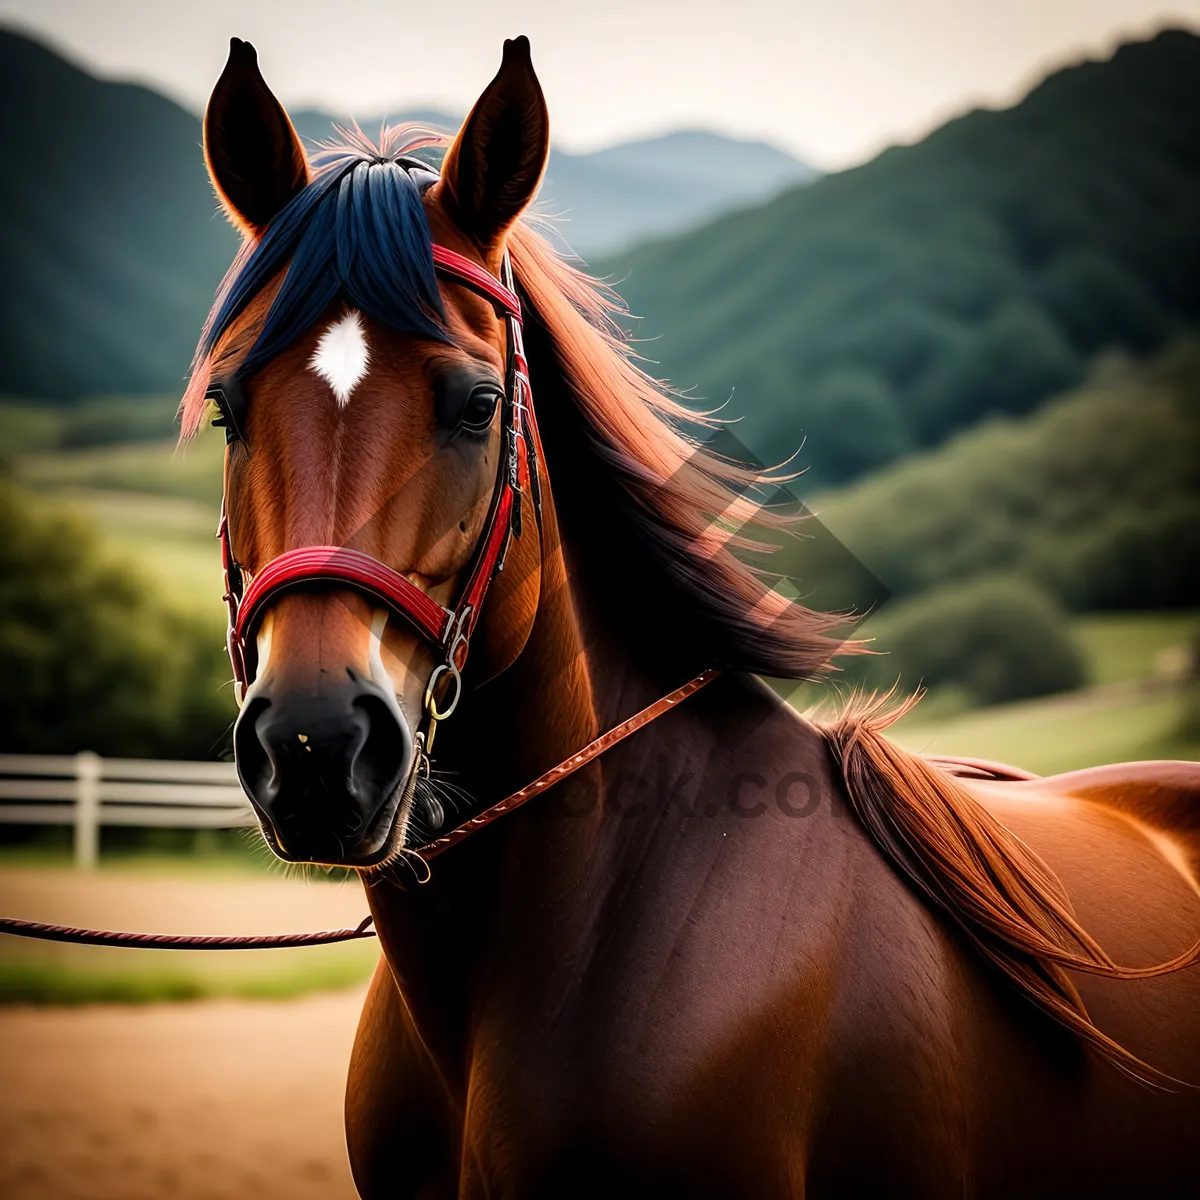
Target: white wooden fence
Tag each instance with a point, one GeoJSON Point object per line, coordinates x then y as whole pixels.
{"type": "Point", "coordinates": [88, 791]}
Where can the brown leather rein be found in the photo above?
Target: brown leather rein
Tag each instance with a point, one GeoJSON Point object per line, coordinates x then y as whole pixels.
{"type": "Point", "coordinates": [165, 941]}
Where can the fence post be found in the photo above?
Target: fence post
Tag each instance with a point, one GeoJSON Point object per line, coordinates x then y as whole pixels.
{"type": "Point", "coordinates": [87, 809]}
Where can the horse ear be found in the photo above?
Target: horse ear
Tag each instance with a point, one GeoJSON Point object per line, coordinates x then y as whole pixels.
{"type": "Point", "coordinates": [255, 159]}
{"type": "Point", "coordinates": [495, 165]}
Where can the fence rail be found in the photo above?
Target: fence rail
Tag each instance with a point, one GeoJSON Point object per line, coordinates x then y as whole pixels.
{"type": "Point", "coordinates": [87, 791]}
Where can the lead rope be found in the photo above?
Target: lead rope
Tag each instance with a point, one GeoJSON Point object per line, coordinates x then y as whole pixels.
{"type": "Point", "coordinates": [271, 941]}
{"type": "Point", "coordinates": [171, 941]}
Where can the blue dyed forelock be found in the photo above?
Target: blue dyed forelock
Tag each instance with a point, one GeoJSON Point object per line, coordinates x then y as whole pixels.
{"type": "Point", "coordinates": [357, 231]}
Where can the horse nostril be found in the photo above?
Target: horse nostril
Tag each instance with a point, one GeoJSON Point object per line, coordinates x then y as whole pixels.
{"type": "Point", "coordinates": [380, 765]}
{"type": "Point", "coordinates": [250, 750]}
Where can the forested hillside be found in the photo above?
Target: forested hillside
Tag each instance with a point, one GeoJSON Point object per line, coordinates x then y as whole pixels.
{"type": "Point", "coordinates": [111, 244]}
{"type": "Point", "coordinates": [1095, 499]}
{"type": "Point", "coordinates": [975, 273]}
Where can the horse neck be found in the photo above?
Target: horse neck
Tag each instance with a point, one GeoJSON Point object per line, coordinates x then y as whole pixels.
{"type": "Point", "coordinates": [553, 700]}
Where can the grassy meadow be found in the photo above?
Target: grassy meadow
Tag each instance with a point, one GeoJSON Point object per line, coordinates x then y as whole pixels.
{"type": "Point", "coordinates": [1134, 707]}
{"type": "Point", "coordinates": [156, 504]}
{"type": "Point", "coordinates": [1136, 703]}
{"type": "Point", "coordinates": [992, 381]}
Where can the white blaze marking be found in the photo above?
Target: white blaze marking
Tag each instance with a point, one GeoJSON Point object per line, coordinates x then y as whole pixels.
{"type": "Point", "coordinates": [263, 644]}
{"type": "Point", "coordinates": [342, 357]}
{"type": "Point", "coordinates": [379, 673]}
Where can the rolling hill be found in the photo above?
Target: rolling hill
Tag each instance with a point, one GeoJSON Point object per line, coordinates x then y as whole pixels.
{"type": "Point", "coordinates": [602, 203]}
{"type": "Point", "coordinates": [110, 242]}
{"type": "Point", "coordinates": [111, 245]}
{"type": "Point", "coordinates": [1095, 498]}
{"type": "Point", "coordinates": [973, 274]}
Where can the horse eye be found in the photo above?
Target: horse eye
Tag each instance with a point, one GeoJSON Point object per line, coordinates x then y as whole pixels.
{"type": "Point", "coordinates": [480, 408]}
{"type": "Point", "coordinates": [465, 402]}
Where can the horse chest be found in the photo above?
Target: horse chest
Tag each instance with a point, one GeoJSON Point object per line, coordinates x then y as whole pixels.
{"type": "Point", "coordinates": [755, 1115]}
{"type": "Point", "coordinates": [710, 1061]}
{"type": "Point", "coordinates": [729, 1092]}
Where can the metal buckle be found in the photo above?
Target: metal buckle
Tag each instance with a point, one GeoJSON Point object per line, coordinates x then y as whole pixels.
{"type": "Point", "coordinates": [436, 713]}
{"type": "Point", "coordinates": [457, 640]}
{"type": "Point", "coordinates": [456, 636]}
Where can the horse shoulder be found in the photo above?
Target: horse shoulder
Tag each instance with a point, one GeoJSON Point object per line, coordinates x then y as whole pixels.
{"type": "Point", "coordinates": [902, 1042]}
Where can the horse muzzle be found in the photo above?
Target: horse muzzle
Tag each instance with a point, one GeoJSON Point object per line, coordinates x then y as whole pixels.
{"type": "Point", "coordinates": [327, 772]}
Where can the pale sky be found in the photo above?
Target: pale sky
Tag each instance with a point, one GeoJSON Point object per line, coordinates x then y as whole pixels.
{"type": "Point", "coordinates": [832, 81]}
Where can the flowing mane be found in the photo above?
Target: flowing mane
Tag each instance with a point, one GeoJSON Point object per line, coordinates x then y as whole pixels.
{"type": "Point", "coordinates": [1007, 902]}
{"type": "Point", "coordinates": [677, 517]}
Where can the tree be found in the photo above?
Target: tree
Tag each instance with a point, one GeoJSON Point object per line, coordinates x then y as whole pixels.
{"type": "Point", "coordinates": [90, 658]}
{"type": "Point", "coordinates": [1099, 304]}
{"type": "Point", "coordinates": [999, 638]}
{"type": "Point", "coordinates": [1096, 496]}
{"type": "Point", "coordinates": [852, 425]}
{"type": "Point", "coordinates": [1015, 360]}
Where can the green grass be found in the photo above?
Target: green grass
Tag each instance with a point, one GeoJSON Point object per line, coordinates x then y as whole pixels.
{"type": "Point", "coordinates": [53, 983]}
{"type": "Point", "coordinates": [156, 504]}
{"type": "Point", "coordinates": [171, 539]}
{"type": "Point", "coordinates": [1120, 647]}
{"type": "Point", "coordinates": [30, 426]}
{"type": "Point", "coordinates": [1062, 733]}
{"type": "Point", "coordinates": [158, 468]}
{"type": "Point", "coordinates": [125, 976]}
{"type": "Point", "coordinates": [42, 425]}
{"type": "Point", "coordinates": [127, 850]}
{"type": "Point", "coordinates": [214, 854]}
{"type": "Point", "coordinates": [1136, 708]}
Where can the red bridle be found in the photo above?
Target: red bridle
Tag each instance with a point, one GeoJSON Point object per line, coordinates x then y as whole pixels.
{"type": "Point", "coordinates": [447, 629]}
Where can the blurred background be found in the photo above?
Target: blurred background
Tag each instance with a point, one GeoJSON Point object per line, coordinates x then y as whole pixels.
{"type": "Point", "coordinates": [946, 254]}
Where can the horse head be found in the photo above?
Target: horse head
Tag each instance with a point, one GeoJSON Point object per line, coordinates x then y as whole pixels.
{"type": "Point", "coordinates": [367, 399]}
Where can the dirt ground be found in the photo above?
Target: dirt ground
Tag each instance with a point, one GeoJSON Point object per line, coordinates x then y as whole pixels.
{"type": "Point", "coordinates": [220, 1099]}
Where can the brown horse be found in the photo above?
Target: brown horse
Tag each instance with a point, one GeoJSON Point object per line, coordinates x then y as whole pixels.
{"type": "Point", "coordinates": [740, 955]}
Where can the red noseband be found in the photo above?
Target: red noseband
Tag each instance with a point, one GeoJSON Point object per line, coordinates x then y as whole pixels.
{"type": "Point", "coordinates": [445, 628]}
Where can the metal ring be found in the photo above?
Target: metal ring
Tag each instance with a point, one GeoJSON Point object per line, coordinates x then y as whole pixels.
{"type": "Point", "coordinates": [431, 704]}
